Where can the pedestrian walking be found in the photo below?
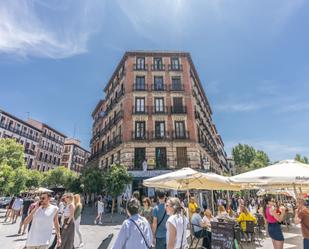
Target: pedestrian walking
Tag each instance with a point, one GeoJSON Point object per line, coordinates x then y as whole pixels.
{"type": "Point", "coordinates": [68, 228]}
{"type": "Point", "coordinates": [135, 232]}
{"type": "Point", "coordinates": [16, 208]}
{"type": "Point", "coordinates": [24, 213]}
{"type": "Point", "coordinates": [9, 211]}
{"type": "Point", "coordinates": [273, 217]}
{"type": "Point", "coordinates": [159, 221]}
{"type": "Point", "coordinates": [77, 218]}
{"type": "Point", "coordinates": [176, 225]}
{"type": "Point", "coordinates": [100, 206]}
{"type": "Point", "coordinates": [302, 217]}
{"type": "Point", "coordinates": [146, 210]}
{"type": "Point", "coordinates": [44, 218]}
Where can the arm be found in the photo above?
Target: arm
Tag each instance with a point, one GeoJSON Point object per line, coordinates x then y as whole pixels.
{"type": "Point", "coordinates": [172, 236]}
{"type": "Point", "coordinates": [277, 216]}
{"type": "Point", "coordinates": [298, 216]}
{"type": "Point", "coordinates": [30, 216]}
{"type": "Point", "coordinates": [122, 237]}
{"type": "Point", "coordinates": [57, 229]}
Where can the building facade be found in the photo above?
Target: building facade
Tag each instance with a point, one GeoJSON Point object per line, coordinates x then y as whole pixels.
{"type": "Point", "coordinates": [24, 133]}
{"type": "Point", "coordinates": [155, 117]}
{"type": "Point", "coordinates": [44, 146]}
{"type": "Point", "coordinates": [74, 157]}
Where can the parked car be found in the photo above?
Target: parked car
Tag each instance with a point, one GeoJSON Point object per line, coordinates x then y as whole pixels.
{"type": "Point", "coordinates": [4, 201]}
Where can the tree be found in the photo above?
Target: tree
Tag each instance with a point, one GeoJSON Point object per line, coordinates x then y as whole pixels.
{"type": "Point", "coordinates": [34, 179]}
{"type": "Point", "coordinates": [6, 178]}
{"type": "Point", "coordinates": [92, 180]}
{"type": "Point", "coordinates": [20, 176]}
{"type": "Point", "coordinates": [116, 179]}
{"type": "Point", "coordinates": [248, 158]}
{"type": "Point", "coordinates": [11, 153]}
{"type": "Point", "coordinates": [301, 159]}
{"type": "Point", "coordinates": [59, 176]}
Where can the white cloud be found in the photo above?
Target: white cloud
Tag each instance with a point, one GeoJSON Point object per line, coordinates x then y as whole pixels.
{"type": "Point", "coordinates": [35, 28]}
{"type": "Point", "coordinates": [275, 149]}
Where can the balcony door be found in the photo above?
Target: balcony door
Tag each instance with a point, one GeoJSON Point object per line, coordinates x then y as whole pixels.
{"type": "Point", "coordinates": [180, 130]}
{"type": "Point", "coordinates": [181, 157]}
{"type": "Point", "coordinates": [159, 129]}
{"type": "Point", "coordinates": [177, 105]}
{"type": "Point", "coordinates": [139, 157]}
{"type": "Point", "coordinates": [161, 158]}
{"type": "Point", "coordinates": [140, 130]}
{"type": "Point", "coordinates": [140, 105]}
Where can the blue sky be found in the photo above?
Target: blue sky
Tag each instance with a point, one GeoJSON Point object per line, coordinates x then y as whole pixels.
{"type": "Point", "coordinates": [252, 57]}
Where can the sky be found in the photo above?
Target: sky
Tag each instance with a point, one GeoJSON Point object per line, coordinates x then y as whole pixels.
{"type": "Point", "coordinates": [252, 58]}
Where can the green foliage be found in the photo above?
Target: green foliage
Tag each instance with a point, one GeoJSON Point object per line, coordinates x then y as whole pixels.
{"type": "Point", "coordinates": [116, 179]}
{"type": "Point", "coordinates": [92, 180]}
{"type": "Point", "coordinates": [11, 153]}
{"type": "Point", "coordinates": [248, 158]}
{"type": "Point", "coordinates": [34, 179]}
{"type": "Point", "coordinates": [301, 159]}
{"type": "Point", "coordinates": [60, 176]}
{"type": "Point", "coordinates": [6, 178]}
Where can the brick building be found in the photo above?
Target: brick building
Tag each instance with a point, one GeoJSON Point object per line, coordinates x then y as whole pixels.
{"type": "Point", "coordinates": [155, 113]}
{"type": "Point", "coordinates": [74, 157]}
{"type": "Point", "coordinates": [43, 145]}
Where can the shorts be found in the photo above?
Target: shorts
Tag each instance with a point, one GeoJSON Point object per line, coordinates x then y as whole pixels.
{"type": "Point", "coordinates": [275, 232]}
{"type": "Point", "coordinates": [16, 212]}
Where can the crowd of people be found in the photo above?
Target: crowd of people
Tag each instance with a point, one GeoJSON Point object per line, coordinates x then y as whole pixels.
{"type": "Point", "coordinates": [41, 216]}
{"type": "Point", "coordinates": [160, 223]}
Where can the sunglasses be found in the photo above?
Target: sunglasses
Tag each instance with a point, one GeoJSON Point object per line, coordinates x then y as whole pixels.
{"type": "Point", "coordinates": [42, 198]}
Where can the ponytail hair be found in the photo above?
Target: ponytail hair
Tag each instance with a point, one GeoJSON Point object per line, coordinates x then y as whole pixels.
{"type": "Point", "coordinates": [176, 205]}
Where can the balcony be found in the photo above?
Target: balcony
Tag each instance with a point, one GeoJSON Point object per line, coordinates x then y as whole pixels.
{"type": "Point", "coordinates": [178, 109]}
{"type": "Point", "coordinates": [158, 87]}
{"type": "Point", "coordinates": [181, 135]}
{"type": "Point", "coordinates": [156, 110]}
{"type": "Point", "coordinates": [177, 88]}
{"type": "Point", "coordinates": [142, 136]}
{"type": "Point", "coordinates": [140, 87]}
{"type": "Point", "coordinates": [52, 138]}
{"type": "Point", "coordinates": [30, 152]}
{"type": "Point", "coordinates": [19, 132]}
{"type": "Point", "coordinates": [140, 67]}
{"type": "Point", "coordinates": [140, 111]}
{"type": "Point", "coordinates": [173, 67]}
{"type": "Point", "coordinates": [157, 67]}
{"type": "Point", "coordinates": [160, 135]}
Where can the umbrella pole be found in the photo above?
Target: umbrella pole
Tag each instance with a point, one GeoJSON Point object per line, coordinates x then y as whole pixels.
{"type": "Point", "coordinates": [212, 202]}
{"type": "Point", "coordinates": [295, 191]}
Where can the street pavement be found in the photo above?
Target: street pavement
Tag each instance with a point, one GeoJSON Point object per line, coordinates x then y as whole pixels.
{"type": "Point", "coordinates": [97, 236]}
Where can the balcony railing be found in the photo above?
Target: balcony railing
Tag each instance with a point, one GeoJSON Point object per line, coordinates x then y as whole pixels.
{"type": "Point", "coordinates": [157, 67]}
{"type": "Point", "coordinates": [140, 67]}
{"type": "Point", "coordinates": [30, 152]}
{"type": "Point", "coordinates": [178, 109]}
{"type": "Point", "coordinates": [172, 67]}
{"type": "Point", "coordinates": [140, 110]}
{"type": "Point", "coordinates": [141, 136]}
{"type": "Point", "coordinates": [177, 88]}
{"type": "Point", "coordinates": [140, 87]}
{"type": "Point", "coordinates": [159, 110]}
{"type": "Point", "coordinates": [158, 87]}
{"type": "Point", "coordinates": [181, 135]}
{"type": "Point", "coordinates": [52, 138]}
{"type": "Point", "coordinates": [19, 132]}
{"type": "Point", "coordinates": [158, 135]}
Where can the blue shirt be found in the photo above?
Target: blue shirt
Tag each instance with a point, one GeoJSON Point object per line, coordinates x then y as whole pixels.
{"type": "Point", "coordinates": [158, 212]}
{"type": "Point", "coordinates": [196, 222]}
{"type": "Point", "coordinates": [130, 237]}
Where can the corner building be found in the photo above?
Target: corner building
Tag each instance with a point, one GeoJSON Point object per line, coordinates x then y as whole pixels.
{"type": "Point", "coordinates": [155, 110]}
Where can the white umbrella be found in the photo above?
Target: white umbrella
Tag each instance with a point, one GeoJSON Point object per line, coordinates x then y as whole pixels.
{"type": "Point", "coordinates": [187, 178]}
{"type": "Point", "coordinates": [287, 173]}
{"type": "Point", "coordinates": [42, 190]}
{"type": "Point", "coordinates": [285, 192]}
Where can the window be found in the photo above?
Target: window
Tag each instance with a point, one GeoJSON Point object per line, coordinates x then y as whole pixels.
{"type": "Point", "coordinates": [161, 158]}
{"type": "Point", "coordinates": [179, 129]}
{"type": "Point", "coordinates": [140, 83]}
{"type": "Point", "coordinates": [140, 104]}
{"type": "Point", "coordinates": [175, 65]}
{"type": "Point", "coordinates": [140, 63]}
{"type": "Point", "coordinates": [176, 83]}
{"type": "Point", "coordinates": [139, 157]}
{"type": "Point", "coordinates": [157, 63]}
{"type": "Point", "coordinates": [158, 83]}
{"type": "Point", "coordinates": [181, 157]}
{"type": "Point", "coordinates": [140, 130]}
{"type": "Point", "coordinates": [159, 129]}
{"type": "Point", "coordinates": [177, 105]}
{"type": "Point", "coordinates": [159, 104]}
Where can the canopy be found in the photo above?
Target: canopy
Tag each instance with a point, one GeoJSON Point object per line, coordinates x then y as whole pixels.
{"type": "Point", "coordinates": [42, 190]}
{"type": "Point", "coordinates": [287, 173]}
{"type": "Point", "coordinates": [187, 178]}
{"type": "Point", "coordinates": [285, 192]}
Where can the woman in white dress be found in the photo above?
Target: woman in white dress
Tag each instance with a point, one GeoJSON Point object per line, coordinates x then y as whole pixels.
{"type": "Point", "coordinates": [100, 205]}
{"type": "Point", "coordinates": [176, 225]}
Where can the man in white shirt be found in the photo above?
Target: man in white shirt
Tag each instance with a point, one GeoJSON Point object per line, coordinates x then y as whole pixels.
{"type": "Point", "coordinates": [18, 203]}
{"type": "Point", "coordinates": [44, 217]}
